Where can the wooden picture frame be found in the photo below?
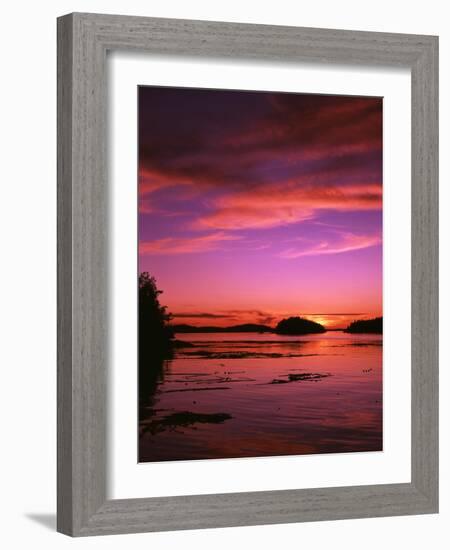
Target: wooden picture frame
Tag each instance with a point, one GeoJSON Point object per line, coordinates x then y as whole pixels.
{"type": "Point", "coordinates": [83, 41]}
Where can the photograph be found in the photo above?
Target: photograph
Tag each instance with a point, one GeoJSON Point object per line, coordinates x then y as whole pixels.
{"type": "Point", "coordinates": [259, 273]}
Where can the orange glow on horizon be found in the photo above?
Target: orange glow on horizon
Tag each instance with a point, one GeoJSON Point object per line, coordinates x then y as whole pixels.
{"type": "Point", "coordinates": [231, 318]}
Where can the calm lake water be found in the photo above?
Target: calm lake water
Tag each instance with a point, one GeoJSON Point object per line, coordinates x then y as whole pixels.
{"type": "Point", "coordinates": [247, 395]}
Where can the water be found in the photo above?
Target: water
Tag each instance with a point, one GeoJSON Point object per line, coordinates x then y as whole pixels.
{"type": "Point", "coordinates": [248, 395]}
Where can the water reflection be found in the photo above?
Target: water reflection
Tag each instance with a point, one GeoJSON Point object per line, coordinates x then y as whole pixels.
{"type": "Point", "coordinates": [236, 395]}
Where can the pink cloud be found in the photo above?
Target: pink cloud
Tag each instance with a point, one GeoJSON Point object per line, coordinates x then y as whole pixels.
{"type": "Point", "coordinates": [186, 245]}
{"type": "Point", "coordinates": [320, 127]}
{"type": "Point", "coordinates": [146, 207]}
{"type": "Point", "coordinates": [273, 205]}
{"type": "Point", "coordinates": [324, 139]}
{"type": "Point", "coordinates": [150, 181]}
{"type": "Point", "coordinates": [153, 180]}
{"type": "Point", "coordinates": [346, 242]}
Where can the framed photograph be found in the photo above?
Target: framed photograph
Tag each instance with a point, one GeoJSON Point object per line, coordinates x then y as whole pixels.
{"type": "Point", "coordinates": [247, 274]}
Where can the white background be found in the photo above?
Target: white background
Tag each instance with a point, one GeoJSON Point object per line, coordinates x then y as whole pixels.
{"type": "Point", "coordinates": [28, 303]}
{"type": "Point", "coordinates": [131, 480]}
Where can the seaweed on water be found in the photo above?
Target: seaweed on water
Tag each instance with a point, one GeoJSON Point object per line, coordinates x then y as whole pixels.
{"type": "Point", "coordinates": [183, 419]}
{"type": "Point", "coordinates": [186, 373]}
{"type": "Point", "coordinates": [307, 376]}
{"type": "Point", "coordinates": [196, 389]}
{"type": "Point", "coordinates": [365, 344]}
{"type": "Point", "coordinates": [302, 377]}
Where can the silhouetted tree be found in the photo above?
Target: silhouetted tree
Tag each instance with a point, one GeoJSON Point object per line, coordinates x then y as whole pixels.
{"type": "Point", "coordinates": [155, 335]}
{"type": "Point", "coordinates": [367, 326]}
{"type": "Point", "coordinates": [298, 326]}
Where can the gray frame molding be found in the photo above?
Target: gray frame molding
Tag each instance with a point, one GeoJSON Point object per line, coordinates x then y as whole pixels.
{"type": "Point", "coordinates": [83, 40]}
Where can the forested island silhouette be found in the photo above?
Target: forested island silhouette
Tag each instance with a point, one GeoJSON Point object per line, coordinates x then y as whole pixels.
{"type": "Point", "coordinates": [368, 326]}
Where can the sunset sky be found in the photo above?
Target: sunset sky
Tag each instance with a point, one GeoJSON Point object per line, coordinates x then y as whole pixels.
{"type": "Point", "coordinates": [254, 206]}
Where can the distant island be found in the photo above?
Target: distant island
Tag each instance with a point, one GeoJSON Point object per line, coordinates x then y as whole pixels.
{"type": "Point", "coordinates": [298, 326]}
{"type": "Point", "coordinates": [291, 326]}
{"type": "Point", "coordinates": [369, 326]}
